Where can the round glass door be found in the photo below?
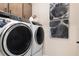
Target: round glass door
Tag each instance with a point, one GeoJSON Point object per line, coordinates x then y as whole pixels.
{"type": "Point", "coordinates": [18, 40]}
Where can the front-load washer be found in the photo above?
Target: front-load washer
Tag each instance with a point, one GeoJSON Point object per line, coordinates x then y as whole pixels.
{"type": "Point", "coordinates": [15, 38]}
{"type": "Point", "coordinates": [38, 37]}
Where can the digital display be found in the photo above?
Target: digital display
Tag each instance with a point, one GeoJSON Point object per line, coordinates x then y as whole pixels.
{"type": "Point", "coordinates": [2, 22]}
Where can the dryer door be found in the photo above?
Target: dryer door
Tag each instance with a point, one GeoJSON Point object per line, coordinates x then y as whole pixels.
{"type": "Point", "coordinates": [16, 40]}
{"type": "Point", "coordinates": [39, 35]}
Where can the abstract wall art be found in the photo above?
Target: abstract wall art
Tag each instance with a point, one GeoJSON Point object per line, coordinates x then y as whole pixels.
{"type": "Point", "coordinates": [59, 20]}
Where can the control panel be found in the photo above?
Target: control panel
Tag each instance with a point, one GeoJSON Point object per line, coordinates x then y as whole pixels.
{"type": "Point", "coordinates": [2, 22]}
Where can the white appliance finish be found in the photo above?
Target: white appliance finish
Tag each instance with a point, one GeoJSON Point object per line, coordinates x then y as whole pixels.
{"type": "Point", "coordinates": [11, 43]}
{"type": "Point", "coordinates": [38, 38]}
{"type": "Point", "coordinates": [39, 53]}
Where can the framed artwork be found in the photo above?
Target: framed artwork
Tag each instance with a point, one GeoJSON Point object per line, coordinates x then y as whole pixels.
{"type": "Point", "coordinates": [59, 20]}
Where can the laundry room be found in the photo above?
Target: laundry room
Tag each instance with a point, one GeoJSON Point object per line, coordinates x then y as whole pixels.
{"type": "Point", "coordinates": [39, 29]}
{"type": "Point", "coordinates": [57, 44]}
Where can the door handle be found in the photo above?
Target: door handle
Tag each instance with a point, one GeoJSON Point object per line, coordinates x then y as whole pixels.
{"type": "Point", "coordinates": [77, 42]}
{"type": "Point", "coordinates": [10, 11]}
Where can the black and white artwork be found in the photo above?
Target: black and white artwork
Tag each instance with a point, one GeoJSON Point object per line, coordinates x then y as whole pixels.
{"type": "Point", "coordinates": [59, 20]}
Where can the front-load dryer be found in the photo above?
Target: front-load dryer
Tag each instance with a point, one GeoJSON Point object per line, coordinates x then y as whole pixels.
{"type": "Point", "coordinates": [38, 38]}
{"type": "Point", "coordinates": [15, 38]}
{"type": "Point", "coordinates": [39, 53]}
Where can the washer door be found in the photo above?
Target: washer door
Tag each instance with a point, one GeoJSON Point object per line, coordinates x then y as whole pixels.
{"type": "Point", "coordinates": [40, 35]}
{"type": "Point", "coordinates": [17, 40]}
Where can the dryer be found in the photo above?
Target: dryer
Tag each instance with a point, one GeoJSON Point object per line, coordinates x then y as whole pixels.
{"type": "Point", "coordinates": [39, 53]}
{"type": "Point", "coordinates": [38, 38]}
{"type": "Point", "coordinates": [15, 38]}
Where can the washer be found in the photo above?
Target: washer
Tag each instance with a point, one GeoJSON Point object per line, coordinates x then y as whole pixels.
{"type": "Point", "coordinates": [15, 38]}
{"type": "Point", "coordinates": [38, 38]}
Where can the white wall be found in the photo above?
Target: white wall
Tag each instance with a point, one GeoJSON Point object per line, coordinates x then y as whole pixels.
{"type": "Point", "coordinates": [58, 46]}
